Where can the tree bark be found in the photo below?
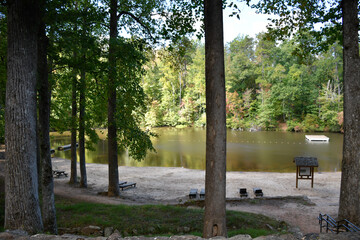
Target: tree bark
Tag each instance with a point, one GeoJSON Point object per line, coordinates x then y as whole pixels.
{"type": "Point", "coordinates": [47, 181]}
{"type": "Point", "coordinates": [82, 104]}
{"type": "Point", "coordinates": [113, 189]}
{"type": "Point", "coordinates": [22, 208]}
{"type": "Point", "coordinates": [215, 180]}
{"type": "Point", "coordinates": [349, 207]}
{"type": "Point", "coordinates": [83, 179]}
{"type": "Point", "coordinates": [73, 174]}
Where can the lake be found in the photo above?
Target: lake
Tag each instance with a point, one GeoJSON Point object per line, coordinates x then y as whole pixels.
{"type": "Point", "coordinates": [246, 151]}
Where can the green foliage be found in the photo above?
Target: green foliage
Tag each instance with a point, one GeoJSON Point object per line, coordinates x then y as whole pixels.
{"type": "Point", "coordinates": [330, 106]}
{"type": "Point", "coordinates": [267, 114]}
{"type": "Point", "coordinates": [294, 126]}
{"type": "Point", "coordinates": [235, 110]}
{"type": "Point", "coordinates": [300, 17]}
{"type": "Point", "coordinates": [267, 83]}
{"type": "Point", "coordinates": [240, 65]}
{"type": "Point", "coordinates": [175, 85]}
{"type": "Point", "coordinates": [75, 48]}
{"type": "Point", "coordinates": [60, 116]}
{"type": "Point", "coordinates": [130, 99]}
{"type": "Point", "coordinates": [311, 123]}
{"type": "Point", "coordinates": [201, 121]}
{"type": "Point", "coordinates": [79, 44]}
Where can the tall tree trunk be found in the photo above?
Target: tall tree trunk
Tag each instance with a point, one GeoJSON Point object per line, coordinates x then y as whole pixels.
{"type": "Point", "coordinates": [113, 189]}
{"type": "Point", "coordinates": [22, 208]}
{"type": "Point", "coordinates": [47, 182]}
{"type": "Point", "coordinates": [349, 207]}
{"type": "Point", "coordinates": [215, 181]}
{"type": "Point", "coordinates": [38, 157]}
{"type": "Point", "coordinates": [73, 174]}
{"type": "Point", "coordinates": [83, 179]}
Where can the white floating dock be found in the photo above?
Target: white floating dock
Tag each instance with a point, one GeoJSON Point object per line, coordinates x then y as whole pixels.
{"type": "Point", "coordinates": [317, 138]}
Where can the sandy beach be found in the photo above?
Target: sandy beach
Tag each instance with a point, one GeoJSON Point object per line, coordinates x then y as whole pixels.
{"type": "Point", "coordinates": [160, 185]}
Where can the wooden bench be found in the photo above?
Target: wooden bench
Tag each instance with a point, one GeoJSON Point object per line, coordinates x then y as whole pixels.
{"type": "Point", "coordinates": [58, 174]}
{"type": "Point", "coordinates": [126, 185]}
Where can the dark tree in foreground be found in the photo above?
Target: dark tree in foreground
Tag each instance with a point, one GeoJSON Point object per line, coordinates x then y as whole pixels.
{"type": "Point", "coordinates": [82, 86]}
{"type": "Point", "coordinates": [73, 174]}
{"type": "Point", "coordinates": [47, 181]}
{"type": "Point", "coordinates": [215, 182]}
{"type": "Point", "coordinates": [113, 188]}
{"type": "Point", "coordinates": [22, 209]}
{"type": "Point", "coordinates": [350, 179]}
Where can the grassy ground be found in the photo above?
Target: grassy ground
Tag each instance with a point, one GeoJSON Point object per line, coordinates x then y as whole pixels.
{"type": "Point", "coordinates": [158, 219]}
{"type": "Point", "coordinates": [152, 219]}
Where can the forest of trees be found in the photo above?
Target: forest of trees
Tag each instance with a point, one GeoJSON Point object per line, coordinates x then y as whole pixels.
{"type": "Point", "coordinates": [76, 56]}
{"type": "Point", "coordinates": [268, 83]}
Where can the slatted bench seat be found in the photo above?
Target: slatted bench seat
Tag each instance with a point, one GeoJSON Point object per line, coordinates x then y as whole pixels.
{"type": "Point", "coordinates": [127, 185]}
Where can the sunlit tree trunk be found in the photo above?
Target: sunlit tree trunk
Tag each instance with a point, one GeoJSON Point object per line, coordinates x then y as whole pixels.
{"type": "Point", "coordinates": [349, 207]}
{"type": "Point", "coordinates": [82, 104]}
{"type": "Point", "coordinates": [215, 182]}
{"type": "Point", "coordinates": [113, 188]}
{"type": "Point", "coordinates": [22, 208]}
{"type": "Point", "coordinates": [83, 179]}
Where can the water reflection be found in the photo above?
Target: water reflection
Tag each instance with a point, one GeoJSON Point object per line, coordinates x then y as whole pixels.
{"type": "Point", "coordinates": [246, 151]}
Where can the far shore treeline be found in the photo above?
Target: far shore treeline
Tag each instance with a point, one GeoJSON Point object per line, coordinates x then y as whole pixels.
{"type": "Point", "coordinates": [269, 85]}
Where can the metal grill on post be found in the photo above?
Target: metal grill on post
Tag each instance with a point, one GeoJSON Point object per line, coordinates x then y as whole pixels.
{"type": "Point", "coordinates": [305, 169]}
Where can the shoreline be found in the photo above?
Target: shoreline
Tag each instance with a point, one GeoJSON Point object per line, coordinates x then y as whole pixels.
{"type": "Point", "coordinates": [171, 185]}
{"type": "Point", "coordinates": [227, 171]}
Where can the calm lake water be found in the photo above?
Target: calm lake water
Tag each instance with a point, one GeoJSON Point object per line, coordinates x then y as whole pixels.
{"type": "Point", "coordinates": [246, 151]}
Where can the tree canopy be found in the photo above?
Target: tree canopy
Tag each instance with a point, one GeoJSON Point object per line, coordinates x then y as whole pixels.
{"type": "Point", "coordinates": [268, 84]}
